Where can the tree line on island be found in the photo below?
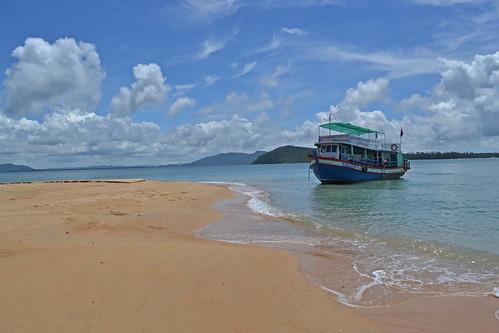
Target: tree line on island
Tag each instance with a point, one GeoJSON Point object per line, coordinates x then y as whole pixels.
{"type": "Point", "coordinates": [285, 154]}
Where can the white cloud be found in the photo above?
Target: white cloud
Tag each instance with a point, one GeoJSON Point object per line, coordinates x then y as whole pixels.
{"type": "Point", "coordinates": [62, 74]}
{"type": "Point", "coordinates": [75, 137]}
{"type": "Point", "coordinates": [294, 31]}
{"type": "Point", "coordinates": [238, 134]}
{"type": "Point", "coordinates": [207, 11]}
{"type": "Point", "coordinates": [209, 47]}
{"type": "Point", "coordinates": [211, 79]}
{"type": "Point", "coordinates": [181, 104]}
{"type": "Point", "coordinates": [272, 80]}
{"type": "Point", "coordinates": [246, 69]}
{"type": "Point", "coordinates": [149, 88]}
{"type": "Point", "coordinates": [184, 87]}
{"type": "Point", "coordinates": [396, 64]}
{"type": "Point", "coordinates": [276, 42]}
{"type": "Point", "coordinates": [461, 112]}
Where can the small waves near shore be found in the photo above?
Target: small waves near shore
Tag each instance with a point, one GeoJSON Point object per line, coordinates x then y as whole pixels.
{"type": "Point", "coordinates": [362, 270]}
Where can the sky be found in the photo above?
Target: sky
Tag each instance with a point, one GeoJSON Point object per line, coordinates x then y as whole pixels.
{"type": "Point", "coordinates": [113, 82]}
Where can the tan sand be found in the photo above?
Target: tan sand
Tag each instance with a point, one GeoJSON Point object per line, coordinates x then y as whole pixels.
{"type": "Point", "coordinates": [439, 315]}
{"type": "Point", "coordinates": [121, 257]}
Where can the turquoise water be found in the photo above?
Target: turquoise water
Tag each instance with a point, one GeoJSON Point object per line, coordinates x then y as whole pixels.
{"type": "Point", "coordinates": [438, 226]}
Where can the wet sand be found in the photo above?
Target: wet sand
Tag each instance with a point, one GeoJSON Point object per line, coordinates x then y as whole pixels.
{"type": "Point", "coordinates": [409, 312]}
{"type": "Point", "coordinates": [122, 257]}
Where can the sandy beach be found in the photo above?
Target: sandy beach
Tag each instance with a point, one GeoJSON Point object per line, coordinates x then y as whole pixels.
{"type": "Point", "coordinates": [122, 257]}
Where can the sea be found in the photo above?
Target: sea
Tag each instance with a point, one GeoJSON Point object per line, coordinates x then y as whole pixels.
{"type": "Point", "coordinates": [434, 232]}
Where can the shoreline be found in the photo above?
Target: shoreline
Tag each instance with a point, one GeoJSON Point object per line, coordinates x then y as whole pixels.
{"type": "Point", "coordinates": [113, 248]}
{"type": "Point", "coordinates": [436, 313]}
{"type": "Point", "coordinates": [122, 257]}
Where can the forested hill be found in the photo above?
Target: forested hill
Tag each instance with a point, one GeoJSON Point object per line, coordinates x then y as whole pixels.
{"type": "Point", "coordinates": [286, 154]}
{"type": "Point", "coordinates": [228, 159]}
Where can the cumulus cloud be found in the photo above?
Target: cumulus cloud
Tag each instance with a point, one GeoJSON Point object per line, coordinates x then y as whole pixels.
{"type": "Point", "coordinates": [149, 88]}
{"type": "Point", "coordinates": [460, 113]}
{"type": "Point", "coordinates": [465, 103]}
{"type": "Point", "coordinates": [238, 133]}
{"type": "Point", "coordinates": [77, 137]}
{"type": "Point", "coordinates": [181, 104]}
{"type": "Point", "coordinates": [63, 74]}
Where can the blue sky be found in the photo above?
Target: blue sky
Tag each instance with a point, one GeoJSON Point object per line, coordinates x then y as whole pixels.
{"type": "Point", "coordinates": [236, 75]}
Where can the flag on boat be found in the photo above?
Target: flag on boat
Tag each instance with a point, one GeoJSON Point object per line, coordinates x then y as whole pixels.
{"type": "Point", "coordinates": [401, 133]}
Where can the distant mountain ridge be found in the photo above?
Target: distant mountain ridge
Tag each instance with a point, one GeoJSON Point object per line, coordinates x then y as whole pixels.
{"type": "Point", "coordinates": [9, 167]}
{"type": "Point", "coordinates": [228, 159]}
{"type": "Point", "coordinates": [285, 154]}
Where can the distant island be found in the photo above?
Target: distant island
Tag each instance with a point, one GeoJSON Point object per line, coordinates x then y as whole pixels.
{"type": "Point", "coordinates": [9, 167]}
{"type": "Point", "coordinates": [228, 159]}
{"type": "Point", "coordinates": [285, 154]}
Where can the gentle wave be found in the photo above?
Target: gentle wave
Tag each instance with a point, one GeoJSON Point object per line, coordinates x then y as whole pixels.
{"type": "Point", "coordinates": [259, 201]}
{"type": "Point", "coordinates": [416, 269]}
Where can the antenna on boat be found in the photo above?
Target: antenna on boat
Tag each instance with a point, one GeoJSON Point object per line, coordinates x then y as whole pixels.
{"type": "Point", "coordinates": [329, 123]}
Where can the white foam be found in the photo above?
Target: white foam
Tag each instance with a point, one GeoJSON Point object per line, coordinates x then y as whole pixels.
{"type": "Point", "coordinates": [259, 201]}
{"type": "Point", "coordinates": [496, 292]}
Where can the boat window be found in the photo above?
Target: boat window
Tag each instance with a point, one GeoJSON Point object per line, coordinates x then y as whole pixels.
{"type": "Point", "coordinates": [328, 148]}
{"type": "Point", "coordinates": [323, 149]}
{"type": "Point", "coordinates": [334, 149]}
{"type": "Point", "coordinates": [358, 150]}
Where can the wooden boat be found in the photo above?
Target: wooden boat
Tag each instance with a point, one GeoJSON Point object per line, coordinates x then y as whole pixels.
{"type": "Point", "coordinates": [357, 154]}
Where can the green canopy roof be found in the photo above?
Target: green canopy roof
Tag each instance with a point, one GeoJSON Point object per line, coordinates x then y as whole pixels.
{"type": "Point", "coordinates": [348, 128]}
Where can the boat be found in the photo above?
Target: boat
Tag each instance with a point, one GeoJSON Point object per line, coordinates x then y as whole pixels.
{"type": "Point", "coordinates": [356, 154]}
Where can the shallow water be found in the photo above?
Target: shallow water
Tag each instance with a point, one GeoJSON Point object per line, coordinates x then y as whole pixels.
{"type": "Point", "coordinates": [434, 232]}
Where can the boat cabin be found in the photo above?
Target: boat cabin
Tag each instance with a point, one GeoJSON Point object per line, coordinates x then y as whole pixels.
{"type": "Point", "coordinates": [358, 145]}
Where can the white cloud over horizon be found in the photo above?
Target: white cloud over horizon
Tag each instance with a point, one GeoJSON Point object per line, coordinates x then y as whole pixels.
{"type": "Point", "coordinates": [62, 74]}
{"type": "Point", "coordinates": [460, 112]}
{"type": "Point", "coordinates": [149, 88]}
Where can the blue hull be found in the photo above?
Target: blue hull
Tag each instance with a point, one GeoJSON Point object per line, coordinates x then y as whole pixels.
{"type": "Point", "coordinates": [329, 174]}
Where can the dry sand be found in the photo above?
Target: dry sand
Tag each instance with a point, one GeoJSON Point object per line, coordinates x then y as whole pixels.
{"type": "Point", "coordinates": [121, 257]}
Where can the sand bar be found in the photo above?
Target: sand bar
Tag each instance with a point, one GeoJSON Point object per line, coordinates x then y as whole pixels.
{"type": "Point", "coordinates": [121, 257]}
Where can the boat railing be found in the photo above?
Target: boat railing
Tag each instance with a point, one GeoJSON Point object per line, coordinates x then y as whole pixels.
{"type": "Point", "coordinates": [362, 160]}
{"type": "Point", "coordinates": [358, 141]}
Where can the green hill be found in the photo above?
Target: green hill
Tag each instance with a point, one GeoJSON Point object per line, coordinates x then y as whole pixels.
{"type": "Point", "coordinates": [285, 154]}
{"type": "Point", "coordinates": [14, 168]}
{"type": "Point", "coordinates": [228, 159]}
